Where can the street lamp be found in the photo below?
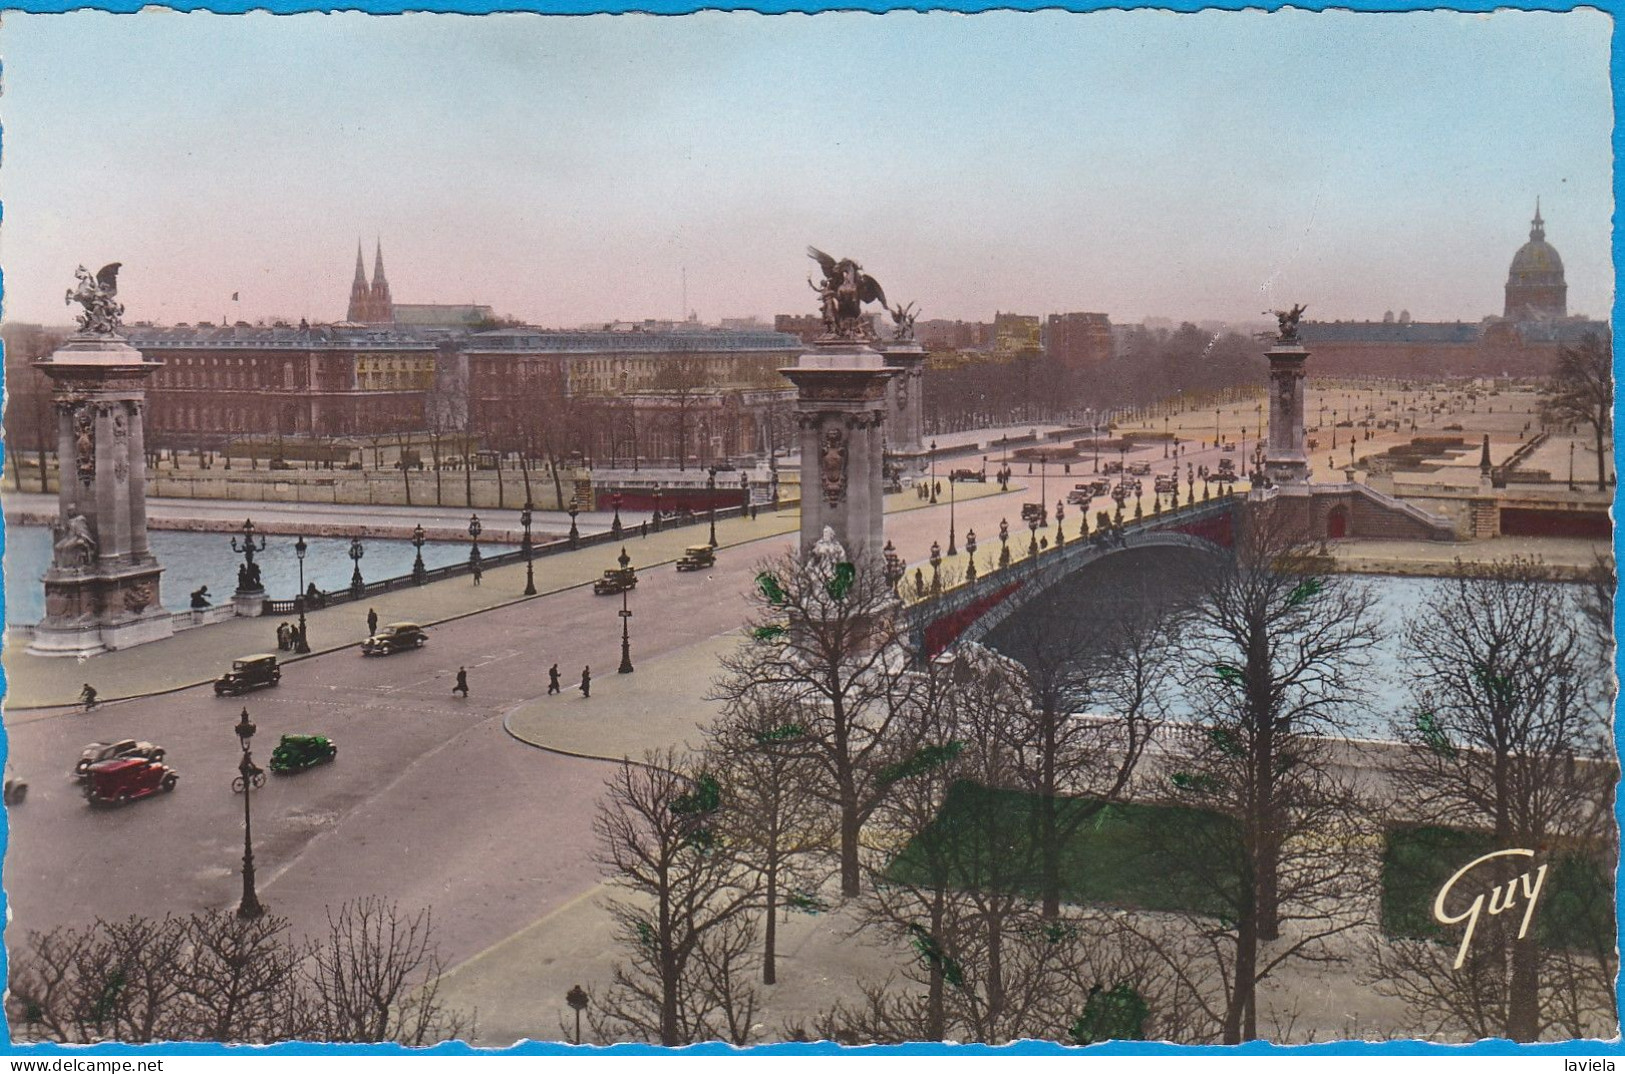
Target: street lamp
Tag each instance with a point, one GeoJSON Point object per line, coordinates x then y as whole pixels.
{"type": "Point", "coordinates": [250, 906]}
{"type": "Point", "coordinates": [894, 566]}
{"type": "Point", "coordinates": [657, 512]}
{"type": "Point", "coordinates": [573, 510]}
{"type": "Point", "coordinates": [970, 551]}
{"type": "Point", "coordinates": [936, 567]}
{"type": "Point", "coordinates": [1043, 479]}
{"type": "Point", "coordinates": [711, 498]}
{"type": "Point", "coordinates": [577, 999]}
{"type": "Point", "coordinates": [530, 571]}
{"type": "Point", "coordinates": [952, 550]}
{"type": "Point", "coordinates": [615, 526]}
{"type": "Point", "coordinates": [1060, 517]}
{"type": "Point", "coordinates": [1032, 550]}
{"type": "Point", "coordinates": [933, 471]}
{"type": "Point", "coordinates": [420, 574]}
{"type": "Point", "coordinates": [626, 618]}
{"type": "Point", "coordinates": [301, 644]}
{"type": "Point", "coordinates": [474, 530]}
{"type": "Point", "coordinates": [1004, 543]}
{"type": "Point", "coordinates": [357, 550]}
{"type": "Point", "coordinates": [248, 578]}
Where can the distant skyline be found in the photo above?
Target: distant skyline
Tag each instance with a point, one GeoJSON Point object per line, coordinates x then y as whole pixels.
{"type": "Point", "coordinates": [569, 170]}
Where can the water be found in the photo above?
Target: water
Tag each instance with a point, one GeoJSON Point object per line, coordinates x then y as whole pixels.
{"type": "Point", "coordinates": [196, 559]}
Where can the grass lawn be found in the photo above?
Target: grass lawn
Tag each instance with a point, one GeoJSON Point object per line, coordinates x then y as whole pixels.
{"type": "Point", "coordinates": [988, 839]}
{"type": "Point", "coordinates": [1576, 907]}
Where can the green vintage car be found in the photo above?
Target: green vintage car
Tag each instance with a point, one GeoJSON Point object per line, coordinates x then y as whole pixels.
{"type": "Point", "coordinates": [298, 752]}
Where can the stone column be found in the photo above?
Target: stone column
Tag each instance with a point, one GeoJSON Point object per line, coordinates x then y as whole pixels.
{"type": "Point", "coordinates": [102, 588]}
{"type": "Point", "coordinates": [1285, 460]}
{"type": "Point", "coordinates": [905, 414]}
{"type": "Point", "coordinates": [841, 413]}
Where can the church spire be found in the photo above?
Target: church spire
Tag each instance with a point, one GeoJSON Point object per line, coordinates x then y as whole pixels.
{"type": "Point", "coordinates": [1537, 226]}
{"type": "Point", "coordinates": [360, 294]}
{"type": "Point", "coordinates": [383, 307]}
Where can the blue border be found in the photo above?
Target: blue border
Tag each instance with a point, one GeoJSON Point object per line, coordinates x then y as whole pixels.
{"type": "Point", "coordinates": [1031, 1048]}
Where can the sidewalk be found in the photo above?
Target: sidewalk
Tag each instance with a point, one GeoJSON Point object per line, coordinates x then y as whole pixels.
{"type": "Point", "coordinates": [199, 655]}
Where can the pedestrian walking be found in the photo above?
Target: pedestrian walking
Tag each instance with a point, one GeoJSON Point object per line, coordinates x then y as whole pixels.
{"type": "Point", "coordinates": [553, 679]}
{"type": "Point", "coordinates": [282, 637]}
{"type": "Point", "coordinates": [643, 528]}
{"type": "Point", "coordinates": [586, 682]}
{"type": "Point", "coordinates": [372, 622]}
{"type": "Point", "coordinates": [478, 570]}
{"type": "Point", "coordinates": [753, 512]}
{"type": "Point", "coordinates": [462, 683]}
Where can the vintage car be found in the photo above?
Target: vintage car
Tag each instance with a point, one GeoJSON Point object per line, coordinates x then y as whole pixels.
{"type": "Point", "coordinates": [126, 779]}
{"type": "Point", "coordinates": [1031, 511]}
{"type": "Point", "coordinates": [97, 752]}
{"type": "Point", "coordinates": [1112, 468]}
{"type": "Point", "coordinates": [1141, 468]}
{"type": "Point", "coordinates": [295, 753]}
{"type": "Point", "coordinates": [1078, 496]}
{"type": "Point", "coordinates": [392, 638]}
{"type": "Point", "coordinates": [249, 673]}
{"type": "Point", "coordinates": [1167, 484]}
{"type": "Point", "coordinates": [1227, 468]}
{"type": "Point", "coordinates": [697, 557]}
{"type": "Point", "coordinates": [616, 580]}
{"type": "Point", "coordinates": [1228, 449]}
{"type": "Point", "coordinates": [968, 475]}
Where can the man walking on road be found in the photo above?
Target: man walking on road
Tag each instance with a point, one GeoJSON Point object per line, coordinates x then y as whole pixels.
{"type": "Point", "coordinates": [462, 683]}
{"type": "Point", "coordinates": [553, 679]}
{"type": "Point", "coordinates": [586, 681]}
{"type": "Point", "coordinates": [372, 622]}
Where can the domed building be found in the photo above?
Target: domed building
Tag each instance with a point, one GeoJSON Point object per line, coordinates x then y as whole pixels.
{"type": "Point", "coordinates": [1535, 287]}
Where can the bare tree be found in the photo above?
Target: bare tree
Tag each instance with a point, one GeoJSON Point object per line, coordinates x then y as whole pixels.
{"type": "Point", "coordinates": [112, 981]}
{"type": "Point", "coordinates": [827, 636]}
{"type": "Point", "coordinates": [1581, 391]}
{"type": "Point", "coordinates": [679, 922]}
{"type": "Point", "coordinates": [375, 976]}
{"type": "Point", "coordinates": [775, 819]}
{"type": "Point", "coordinates": [1509, 734]}
{"type": "Point", "coordinates": [241, 978]}
{"type": "Point", "coordinates": [682, 381]}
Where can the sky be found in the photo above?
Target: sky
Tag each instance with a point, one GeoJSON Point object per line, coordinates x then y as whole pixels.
{"type": "Point", "coordinates": [571, 170]}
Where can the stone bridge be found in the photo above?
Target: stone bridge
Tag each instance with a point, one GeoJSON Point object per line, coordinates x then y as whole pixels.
{"type": "Point", "coordinates": [966, 610]}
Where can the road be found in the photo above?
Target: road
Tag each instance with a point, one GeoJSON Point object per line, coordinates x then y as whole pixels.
{"type": "Point", "coordinates": [429, 802]}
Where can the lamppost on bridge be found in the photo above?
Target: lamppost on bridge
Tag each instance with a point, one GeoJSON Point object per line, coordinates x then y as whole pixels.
{"type": "Point", "coordinates": [301, 644]}
{"type": "Point", "coordinates": [357, 550]}
{"type": "Point", "coordinates": [1120, 494]}
{"type": "Point", "coordinates": [894, 566]}
{"type": "Point", "coordinates": [936, 567]}
{"type": "Point", "coordinates": [573, 510]}
{"type": "Point", "coordinates": [1060, 529]}
{"type": "Point", "coordinates": [615, 525]}
{"type": "Point", "coordinates": [933, 471]}
{"type": "Point", "coordinates": [248, 577]}
{"type": "Point", "coordinates": [419, 571]}
{"type": "Point", "coordinates": [1004, 543]}
{"type": "Point", "coordinates": [1190, 481]}
{"type": "Point", "coordinates": [474, 531]}
{"type": "Point", "coordinates": [246, 771]}
{"type": "Point", "coordinates": [711, 498]}
{"type": "Point", "coordinates": [952, 550]}
{"type": "Point", "coordinates": [1032, 549]}
{"type": "Point", "coordinates": [530, 572]}
{"type": "Point", "coordinates": [1043, 479]}
{"type": "Point", "coordinates": [970, 551]}
{"type": "Point", "coordinates": [657, 510]}
{"type": "Point", "coordinates": [626, 618]}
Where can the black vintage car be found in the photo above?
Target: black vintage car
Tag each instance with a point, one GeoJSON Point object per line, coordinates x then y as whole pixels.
{"type": "Point", "coordinates": [249, 673]}
{"type": "Point", "coordinates": [697, 557]}
{"type": "Point", "coordinates": [394, 637]}
{"type": "Point", "coordinates": [298, 752]}
{"type": "Point", "coordinates": [616, 580]}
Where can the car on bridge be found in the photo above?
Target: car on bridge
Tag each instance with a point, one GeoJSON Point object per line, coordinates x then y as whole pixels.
{"type": "Point", "coordinates": [1032, 511]}
{"type": "Point", "coordinates": [249, 673]}
{"type": "Point", "coordinates": [696, 557]}
{"type": "Point", "coordinates": [97, 752]}
{"type": "Point", "coordinates": [968, 475]}
{"type": "Point", "coordinates": [295, 753]}
{"type": "Point", "coordinates": [616, 580]}
{"type": "Point", "coordinates": [1167, 484]}
{"type": "Point", "coordinates": [127, 779]}
{"type": "Point", "coordinates": [1079, 496]}
{"type": "Point", "coordinates": [393, 638]}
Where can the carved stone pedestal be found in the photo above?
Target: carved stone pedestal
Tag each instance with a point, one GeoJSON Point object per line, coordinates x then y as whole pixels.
{"type": "Point", "coordinates": [841, 412]}
{"type": "Point", "coordinates": [102, 589]}
{"type": "Point", "coordinates": [905, 410]}
{"type": "Point", "coordinates": [1285, 459]}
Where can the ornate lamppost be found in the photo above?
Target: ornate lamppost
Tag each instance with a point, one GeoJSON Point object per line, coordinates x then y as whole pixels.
{"type": "Point", "coordinates": [530, 570]}
{"type": "Point", "coordinates": [301, 644]}
{"type": "Point", "coordinates": [657, 511]}
{"type": "Point", "coordinates": [711, 498]}
{"type": "Point", "coordinates": [420, 574]}
{"type": "Point", "coordinates": [936, 567]}
{"type": "Point", "coordinates": [577, 999]}
{"type": "Point", "coordinates": [970, 551]}
{"type": "Point", "coordinates": [1138, 492]}
{"type": "Point", "coordinates": [250, 905]}
{"type": "Point", "coordinates": [953, 550]}
{"type": "Point", "coordinates": [615, 526]}
{"type": "Point", "coordinates": [1120, 494]}
{"type": "Point", "coordinates": [1190, 479]}
{"type": "Point", "coordinates": [626, 618]}
{"type": "Point", "coordinates": [573, 510]}
{"type": "Point", "coordinates": [474, 530]}
{"type": "Point", "coordinates": [894, 566]}
{"type": "Point", "coordinates": [1043, 479]}
{"type": "Point", "coordinates": [1032, 549]}
{"type": "Point", "coordinates": [357, 550]}
{"type": "Point", "coordinates": [248, 577]}
{"type": "Point", "coordinates": [1004, 543]}
{"type": "Point", "coordinates": [933, 489]}
{"type": "Point", "coordinates": [1060, 530]}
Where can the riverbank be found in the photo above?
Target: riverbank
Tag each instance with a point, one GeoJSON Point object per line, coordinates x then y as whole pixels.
{"type": "Point", "coordinates": [1562, 559]}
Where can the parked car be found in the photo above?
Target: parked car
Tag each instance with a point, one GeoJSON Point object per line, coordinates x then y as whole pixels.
{"type": "Point", "coordinates": [1031, 511]}
{"type": "Point", "coordinates": [295, 753]}
{"type": "Point", "coordinates": [97, 752]}
{"type": "Point", "coordinates": [1078, 496]}
{"type": "Point", "coordinates": [392, 638]}
{"type": "Point", "coordinates": [1141, 468]}
{"type": "Point", "coordinates": [969, 475]}
{"type": "Point", "coordinates": [126, 779]}
{"type": "Point", "coordinates": [1167, 484]}
{"type": "Point", "coordinates": [1112, 468]}
{"type": "Point", "coordinates": [697, 557]}
{"type": "Point", "coordinates": [249, 673]}
{"type": "Point", "coordinates": [616, 580]}
{"type": "Point", "coordinates": [1099, 488]}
